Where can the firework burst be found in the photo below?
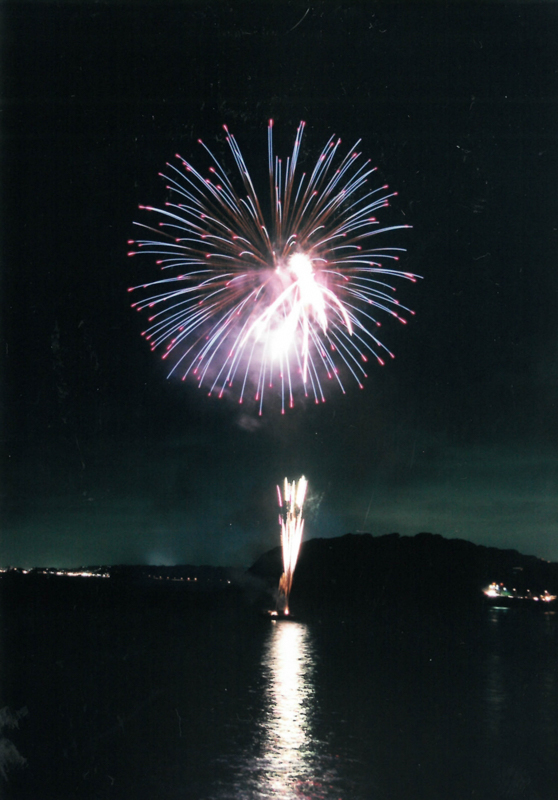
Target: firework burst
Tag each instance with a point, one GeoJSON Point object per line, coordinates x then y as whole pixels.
{"type": "Point", "coordinates": [244, 304]}
{"type": "Point", "coordinates": [292, 528]}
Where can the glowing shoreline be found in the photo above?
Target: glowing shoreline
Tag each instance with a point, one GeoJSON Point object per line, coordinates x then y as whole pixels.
{"type": "Point", "coordinates": [498, 592]}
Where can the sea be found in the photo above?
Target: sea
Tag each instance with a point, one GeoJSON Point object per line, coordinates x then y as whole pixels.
{"type": "Point", "coordinates": [186, 701]}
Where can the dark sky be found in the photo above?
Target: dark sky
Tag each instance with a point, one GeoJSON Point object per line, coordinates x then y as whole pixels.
{"type": "Point", "coordinates": [104, 460]}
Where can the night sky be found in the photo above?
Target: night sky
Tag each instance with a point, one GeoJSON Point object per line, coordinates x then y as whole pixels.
{"type": "Point", "coordinates": [104, 460]}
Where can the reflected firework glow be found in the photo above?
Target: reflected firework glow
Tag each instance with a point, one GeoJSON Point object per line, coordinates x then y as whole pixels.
{"type": "Point", "coordinates": [289, 663]}
{"type": "Point", "coordinates": [290, 760]}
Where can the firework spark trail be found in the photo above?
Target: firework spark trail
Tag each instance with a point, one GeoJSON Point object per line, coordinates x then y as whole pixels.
{"type": "Point", "coordinates": [292, 527]}
{"type": "Point", "coordinates": [245, 302]}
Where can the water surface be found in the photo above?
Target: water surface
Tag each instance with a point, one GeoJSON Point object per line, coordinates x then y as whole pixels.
{"type": "Point", "coordinates": [208, 704]}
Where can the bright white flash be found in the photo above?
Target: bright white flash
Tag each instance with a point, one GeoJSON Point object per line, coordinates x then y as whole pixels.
{"type": "Point", "coordinates": [288, 323]}
{"type": "Point", "coordinates": [311, 299]}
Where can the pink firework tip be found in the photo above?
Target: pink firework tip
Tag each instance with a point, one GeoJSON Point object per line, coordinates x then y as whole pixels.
{"type": "Point", "coordinates": [284, 301]}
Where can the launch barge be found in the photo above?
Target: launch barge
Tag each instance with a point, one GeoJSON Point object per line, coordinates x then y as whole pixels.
{"type": "Point", "coordinates": [279, 616]}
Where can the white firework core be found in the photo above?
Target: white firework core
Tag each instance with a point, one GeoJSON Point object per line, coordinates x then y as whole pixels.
{"type": "Point", "coordinates": [247, 303]}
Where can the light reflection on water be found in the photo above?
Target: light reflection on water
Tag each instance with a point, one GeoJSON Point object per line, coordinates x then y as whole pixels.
{"type": "Point", "coordinates": [496, 697]}
{"type": "Point", "coordinates": [288, 759]}
{"type": "Point", "coordinates": [518, 712]}
{"type": "Point", "coordinates": [393, 712]}
{"type": "Point", "coordinates": [286, 748]}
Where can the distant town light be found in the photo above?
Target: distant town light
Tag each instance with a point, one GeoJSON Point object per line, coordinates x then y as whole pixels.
{"type": "Point", "coordinates": [499, 590]}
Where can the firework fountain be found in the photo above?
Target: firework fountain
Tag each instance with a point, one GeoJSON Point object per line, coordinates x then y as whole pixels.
{"type": "Point", "coordinates": [292, 527]}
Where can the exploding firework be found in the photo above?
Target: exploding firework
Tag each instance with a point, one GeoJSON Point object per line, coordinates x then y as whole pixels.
{"type": "Point", "coordinates": [292, 527]}
{"type": "Point", "coordinates": [245, 305]}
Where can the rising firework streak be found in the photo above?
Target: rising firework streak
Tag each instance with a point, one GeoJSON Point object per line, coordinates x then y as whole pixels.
{"type": "Point", "coordinates": [292, 527]}
{"type": "Point", "coordinates": [247, 305]}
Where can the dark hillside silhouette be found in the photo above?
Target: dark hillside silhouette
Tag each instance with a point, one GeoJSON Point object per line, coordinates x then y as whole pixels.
{"type": "Point", "coordinates": [364, 571]}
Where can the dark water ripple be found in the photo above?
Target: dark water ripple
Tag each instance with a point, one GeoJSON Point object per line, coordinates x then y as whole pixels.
{"type": "Point", "coordinates": [170, 703]}
{"type": "Point", "coordinates": [421, 708]}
